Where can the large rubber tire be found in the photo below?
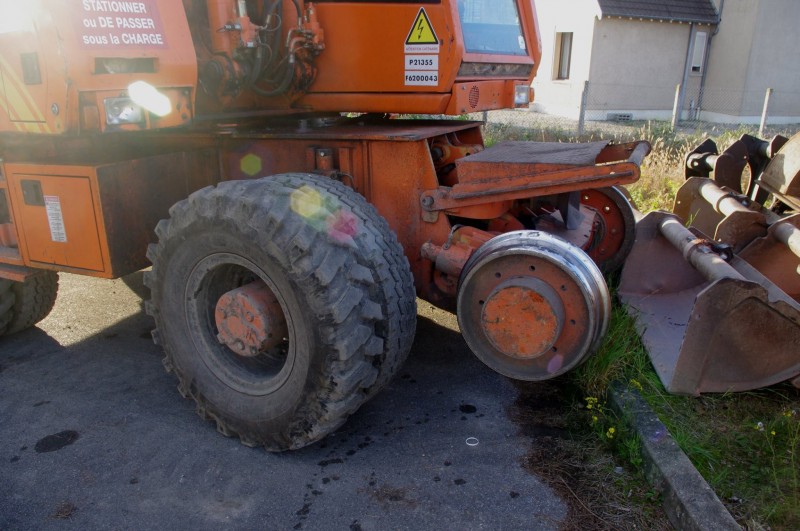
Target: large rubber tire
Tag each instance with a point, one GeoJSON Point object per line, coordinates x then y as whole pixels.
{"type": "Point", "coordinates": [23, 304]}
{"type": "Point", "coordinates": [343, 283]}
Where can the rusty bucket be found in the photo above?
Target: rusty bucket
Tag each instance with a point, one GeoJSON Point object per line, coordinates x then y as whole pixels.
{"type": "Point", "coordinates": [710, 321]}
{"type": "Point", "coordinates": [721, 213]}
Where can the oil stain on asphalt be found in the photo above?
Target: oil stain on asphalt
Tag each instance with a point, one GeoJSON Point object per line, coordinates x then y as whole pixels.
{"type": "Point", "coordinates": [57, 441]}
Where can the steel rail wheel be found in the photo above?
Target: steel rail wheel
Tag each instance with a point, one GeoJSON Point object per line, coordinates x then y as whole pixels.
{"type": "Point", "coordinates": [532, 306]}
{"type": "Point", "coordinates": [23, 304]}
{"type": "Point", "coordinates": [282, 305]}
{"type": "Point", "coordinates": [615, 227]}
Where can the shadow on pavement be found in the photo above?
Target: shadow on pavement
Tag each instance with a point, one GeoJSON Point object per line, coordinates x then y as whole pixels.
{"type": "Point", "coordinates": [122, 449]}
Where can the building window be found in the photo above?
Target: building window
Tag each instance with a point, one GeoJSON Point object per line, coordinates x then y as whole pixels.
{"type": "Point", "coordinates": [563, 55]}
{"type": "Point", "coordinates": [699, 53]}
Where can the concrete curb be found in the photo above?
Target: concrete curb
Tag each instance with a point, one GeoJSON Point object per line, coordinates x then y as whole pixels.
{"type": "Point", "coordinates": [689, 501]}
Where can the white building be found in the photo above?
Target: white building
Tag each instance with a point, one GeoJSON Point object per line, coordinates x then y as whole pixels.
{"type": "Point", "coordinates": [725, 54]}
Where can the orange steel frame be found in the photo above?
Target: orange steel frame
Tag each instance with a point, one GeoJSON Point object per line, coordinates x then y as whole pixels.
{"type": "Point", "coordinates": [367, 155]}
{"type": "Point", "coordinates": [363, 155]}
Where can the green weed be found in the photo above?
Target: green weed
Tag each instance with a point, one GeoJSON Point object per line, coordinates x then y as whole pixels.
{"type": "Point", "coordinates": [746, 445]}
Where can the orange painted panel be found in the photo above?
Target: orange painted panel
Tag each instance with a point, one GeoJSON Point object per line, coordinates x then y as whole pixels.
{"type": "Point", "coordinates": [57, 217]}
{"type": "Point", "coordinates": [52, 52]}
{"type": "Point", "coordinates": [365, 48]}
{"type": "Point", "coordinates": [23, 94]}
{"type": "Point", "coordinates": [391, 57]}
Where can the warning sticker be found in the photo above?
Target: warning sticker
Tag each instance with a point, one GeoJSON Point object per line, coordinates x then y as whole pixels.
{"type": "Point", "coordinates": [52, 204]}
{"type": "Point", "coordinates": [422, 53]}
{"type": "Point", "coordinates": [422, 37]}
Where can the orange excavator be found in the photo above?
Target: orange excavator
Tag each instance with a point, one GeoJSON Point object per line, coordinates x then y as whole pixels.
{"type": "Point", "coordinates": [251, 153]}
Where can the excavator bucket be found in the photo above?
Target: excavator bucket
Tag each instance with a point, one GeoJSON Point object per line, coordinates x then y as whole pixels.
{"type": "Point", "coordinates": [728, 167]}
{"type": "Point", "coordinates": [774, 170]}
{"type": "Point", "coordinates": [718, 212]}
{"type": "Point", "coordinates": [711, 321]}
{"type": "Point", "coordinates": [718, 304]}
{"type": "Point", "coordinates": [777, 255]}
{"type": "Point", "coordinates": [781, 177]}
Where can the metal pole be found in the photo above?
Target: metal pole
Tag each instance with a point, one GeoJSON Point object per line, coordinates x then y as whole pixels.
{"type": "Point", "coordinates": [584, 102]}
{"type": "Point", "coordinates": [789, 235]}
{"type": "Point", "coordinates": [764, 113]}
{"type": "Point", "coordinates": [687, 68]}
{"type": "Point", "coordinates": [697, 251]}
{"type": "Point", "coordinates": [676, 110]}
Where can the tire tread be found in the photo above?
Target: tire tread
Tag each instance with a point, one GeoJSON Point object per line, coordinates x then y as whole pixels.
{"type": "Point", "coordinates": [360, 289]}
{"type": "Point", "coordinates": [23, 304]}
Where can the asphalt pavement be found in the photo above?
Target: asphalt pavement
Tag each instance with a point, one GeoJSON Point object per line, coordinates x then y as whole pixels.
{"type": "Point", "coordinates": [93, 434]}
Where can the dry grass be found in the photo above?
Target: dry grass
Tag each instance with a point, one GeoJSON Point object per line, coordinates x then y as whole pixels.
{"type": "Point", "coordinates": [661, 175]}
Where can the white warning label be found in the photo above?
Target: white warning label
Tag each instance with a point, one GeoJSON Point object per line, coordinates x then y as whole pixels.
{"type": "Point", "coordinates": [421, 48]}
{"type": "Point", "coordinates": [52, 204]}
{"type": "Point", "coordinates": [422, 62]}
{"type": "Point", "coordinates": [120, 24]}
{"type": "Point", "coordinates": [422, 79]}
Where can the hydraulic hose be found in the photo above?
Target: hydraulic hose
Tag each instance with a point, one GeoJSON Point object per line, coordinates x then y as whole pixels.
{"type": "Point", "coordinates": [288, 78]}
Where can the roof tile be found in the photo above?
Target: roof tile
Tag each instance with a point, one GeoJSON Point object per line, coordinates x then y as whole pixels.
{"type": "Point", "coordinates": [700, 11]}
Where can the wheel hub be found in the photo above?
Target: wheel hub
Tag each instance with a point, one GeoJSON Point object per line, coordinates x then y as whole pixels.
{"type": "Point", "coordinates": [250, 319]}
{"type": "Point", "coordinates": [532, 306]}
{"type": "Point", "coordinates": [614, 227]}
{"type": "Point", "coordinates": [523, 317]}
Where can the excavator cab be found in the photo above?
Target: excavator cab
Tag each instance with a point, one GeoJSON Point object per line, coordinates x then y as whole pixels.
{"type": "Point", "coordinates": [450, 57]}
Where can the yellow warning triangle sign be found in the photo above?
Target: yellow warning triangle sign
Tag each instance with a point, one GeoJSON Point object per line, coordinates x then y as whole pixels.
{"type": "Point", "coordinates": [422, 30]}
